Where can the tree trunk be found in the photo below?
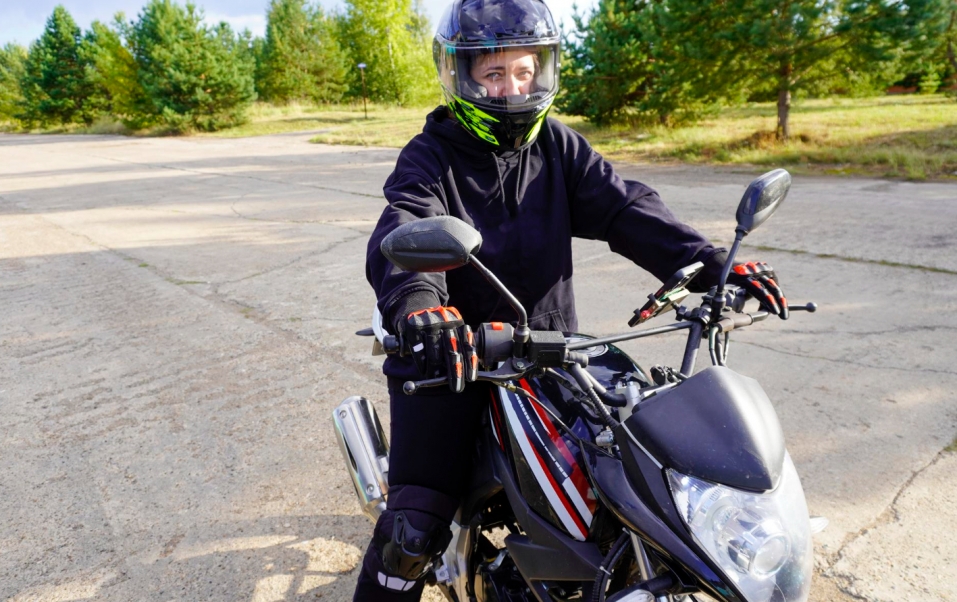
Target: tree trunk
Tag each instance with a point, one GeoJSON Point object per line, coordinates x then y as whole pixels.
{"type": "Point", "coordinates": [784, 101]}
{"type": "Point", "coordinates": [784, 109]}
{"type": "Point", "coordinates": [951, 57]}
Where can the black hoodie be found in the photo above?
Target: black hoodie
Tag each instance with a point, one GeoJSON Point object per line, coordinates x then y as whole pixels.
{"type": "Point", "coordinates": [527, 204]}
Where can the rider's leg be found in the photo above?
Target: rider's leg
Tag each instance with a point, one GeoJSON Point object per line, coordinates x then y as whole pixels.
{"type": "Point", "coordinates": [432, 440]}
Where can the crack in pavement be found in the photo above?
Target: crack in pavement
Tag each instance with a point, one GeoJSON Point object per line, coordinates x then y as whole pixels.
{"type": "Point", "coordinates": [846, 581]}
{"type": "Point", "coordinates": [246, 177]}
{"type": "Point", "coordinates": [232, 208]}
{"type": "Point", "coordinates": [880, 262]}
{"type": "Point", "coordinates": [294, 261]}
{"type": "Point", "coordinates": [842, 361]}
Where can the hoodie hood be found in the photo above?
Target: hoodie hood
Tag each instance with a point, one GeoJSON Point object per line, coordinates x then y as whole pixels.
{"type": "Point", "coordinates": [511, 166]}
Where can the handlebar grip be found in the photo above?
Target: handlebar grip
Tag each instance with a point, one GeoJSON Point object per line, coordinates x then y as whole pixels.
{"type": "Point", "coordinates": [729, 323]}
{"type": "Point", "coordinates": [391, 344]}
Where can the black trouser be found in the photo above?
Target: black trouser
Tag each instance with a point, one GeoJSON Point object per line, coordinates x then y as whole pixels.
{"type": "Point", "coordinates": [432, 438]}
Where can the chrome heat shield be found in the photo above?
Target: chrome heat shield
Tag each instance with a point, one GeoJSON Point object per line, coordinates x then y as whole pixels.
{"type": "Point", "coordinates": [366, 452]}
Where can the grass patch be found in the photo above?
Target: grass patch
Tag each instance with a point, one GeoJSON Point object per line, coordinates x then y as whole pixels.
{"type": "Point", "coordinates": [908, 136]}
{"type": "Point", "coordinates": [952, 447]}
{"type": "Point", "coordinates": [334, 124]}
{"type": "Point", "coordinates": [912, 137]}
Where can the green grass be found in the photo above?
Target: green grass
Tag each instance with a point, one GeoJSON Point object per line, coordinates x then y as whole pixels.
{"type": "Point", "coordinates": [911, 137]}
{"type": "Point", "coordinates": [898, 136]}
{"type": "Point", "coordinates": [334, 124]}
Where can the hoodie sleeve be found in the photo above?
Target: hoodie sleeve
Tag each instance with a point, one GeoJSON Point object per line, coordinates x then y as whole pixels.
{"type": "Point", "coordinates": [411, 195]}
{"type": "Point", "coordinates": [628, 215]}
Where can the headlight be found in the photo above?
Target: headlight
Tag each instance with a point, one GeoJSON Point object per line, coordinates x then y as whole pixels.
{"type": "Point", "coordinates": [761, 541]}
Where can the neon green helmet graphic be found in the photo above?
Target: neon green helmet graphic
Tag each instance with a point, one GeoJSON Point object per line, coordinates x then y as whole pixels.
{"type": "Point", "coordinates": [497, 62]}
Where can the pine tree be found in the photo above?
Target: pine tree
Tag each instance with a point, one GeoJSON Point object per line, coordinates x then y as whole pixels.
{"type": "Point", "coordinates": [54, 85]}
{"type": "Point", "coordinates": [733, 47]}
{"type": "Point", "coordinates": [301, 59]}
{"type": "Point", "coordinates": [193, 76]}
{"type": "Point", "coordinates": [112, 71]}
{"type": "Point", "coordinates": [13, 60]}
{"type": "Point", "coordinates": [609, 68]}
{"type": "Point", "coordinates": [390, 37]}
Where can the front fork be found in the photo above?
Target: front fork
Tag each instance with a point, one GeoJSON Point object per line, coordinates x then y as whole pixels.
{"type": "Point", "coordinates": [645, 570]}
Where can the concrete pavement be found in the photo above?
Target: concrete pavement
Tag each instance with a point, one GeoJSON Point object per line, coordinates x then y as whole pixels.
{"type": "Point", "coordinates": [177, 326]}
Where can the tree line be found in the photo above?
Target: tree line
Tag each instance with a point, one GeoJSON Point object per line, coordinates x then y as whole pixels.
{"type": "Point", "coordinates": [168, 68]}
{"type": "Point", "coordinates": [665, 61]}
{"type": "Point", "coordinates": [672, 60]}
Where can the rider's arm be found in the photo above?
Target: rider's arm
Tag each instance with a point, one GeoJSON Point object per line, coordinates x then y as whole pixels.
{"type": "Point", "coordinates": [628, 215]}
{"type": "Point", "coordinates": [411, 195]}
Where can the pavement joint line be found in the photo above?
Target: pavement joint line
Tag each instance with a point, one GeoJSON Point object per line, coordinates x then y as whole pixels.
{"type": "Point", "coordinates": [880, 262]}
{"type": "Point", "coordinates": [296, 260]}
{"type": "Point", "coordinates": [889, 515]}
{"type": "Point", "coordinates": [247, 177]}
{"type": "Point", "coordinates": [322, 222]}
{"type": "Point", "coordinates": [841, 361]}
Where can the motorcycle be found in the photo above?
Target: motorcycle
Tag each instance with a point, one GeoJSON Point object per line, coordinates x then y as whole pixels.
{"type": "Point", "coordinates": [607, 483]}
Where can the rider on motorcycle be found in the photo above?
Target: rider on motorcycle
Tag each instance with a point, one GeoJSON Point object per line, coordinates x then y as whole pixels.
{"type": "Point", "coordinates": [490, 157]}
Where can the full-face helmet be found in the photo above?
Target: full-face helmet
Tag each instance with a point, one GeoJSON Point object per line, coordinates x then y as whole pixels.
{"type": "Point", "coordinates": [498, 67]}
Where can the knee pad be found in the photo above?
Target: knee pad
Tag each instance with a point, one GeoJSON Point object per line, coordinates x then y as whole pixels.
{"type": "Point", "coordinates": [411, 550]}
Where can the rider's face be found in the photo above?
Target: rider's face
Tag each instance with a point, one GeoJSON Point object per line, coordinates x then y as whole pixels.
{"type": "Point", "coordinates": [507, 73]}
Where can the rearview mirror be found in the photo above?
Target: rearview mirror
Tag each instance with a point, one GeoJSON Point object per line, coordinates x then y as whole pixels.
{"type": "Point", "coordinates": [762, 198]}
{"type": "Point", "coordinates": [431, 244]}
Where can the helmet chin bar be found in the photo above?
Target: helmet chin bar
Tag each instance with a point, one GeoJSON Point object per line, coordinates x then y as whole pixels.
{"type": "Point", "coordinates": [485, 28]}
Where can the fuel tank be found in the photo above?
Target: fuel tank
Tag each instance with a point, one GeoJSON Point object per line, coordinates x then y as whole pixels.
{"type": "Point", "coordinates": [547, 460]}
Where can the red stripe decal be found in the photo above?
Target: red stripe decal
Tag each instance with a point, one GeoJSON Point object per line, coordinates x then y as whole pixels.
{"type": "Point", "coordinates": [498, 422]}
{"type": "Point", "coordinates": [577, 476]}
{"type": "Point", "coordinates": [562, 496]}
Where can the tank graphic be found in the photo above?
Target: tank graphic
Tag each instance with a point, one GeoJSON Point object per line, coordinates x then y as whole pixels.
{"type": "Point", "coordinates": [547, 460]}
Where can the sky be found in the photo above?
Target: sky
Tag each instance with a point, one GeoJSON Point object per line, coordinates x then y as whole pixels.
{"type": "Point", "coordinates": [22, 21]}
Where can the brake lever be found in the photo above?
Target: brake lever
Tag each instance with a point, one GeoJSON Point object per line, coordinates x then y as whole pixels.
{"type": "Point", "coordinates": [409, 387]}
{"type": "Point", "coordinates": [506, 372]}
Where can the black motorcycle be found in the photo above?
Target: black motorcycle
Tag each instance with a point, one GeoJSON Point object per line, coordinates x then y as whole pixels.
{"type": "Point", "coordinates": [595, 481]}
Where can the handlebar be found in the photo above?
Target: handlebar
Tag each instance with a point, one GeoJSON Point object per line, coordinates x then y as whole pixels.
{"type": "Point", "coordinates": [545, 350]}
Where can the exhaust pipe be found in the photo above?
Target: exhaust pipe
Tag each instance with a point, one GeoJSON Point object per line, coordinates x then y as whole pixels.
{"type": "Point", "coordinates": [366, 452]}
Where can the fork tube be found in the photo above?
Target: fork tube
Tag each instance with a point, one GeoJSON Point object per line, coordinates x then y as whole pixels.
{"type": "Point", "coordinates": [645, 570]}
{"type": "Point", "coordinates": [691, 348]}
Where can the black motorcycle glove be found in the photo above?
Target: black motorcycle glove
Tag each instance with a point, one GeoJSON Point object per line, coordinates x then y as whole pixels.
{"type": "Point", "coordinates": [760, 281]}
{"type": "Point", "coordinates": [441, 344]}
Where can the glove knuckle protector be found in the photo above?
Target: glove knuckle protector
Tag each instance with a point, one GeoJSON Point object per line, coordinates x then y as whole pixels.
{"type": "Point", "coordinates": [437, 338]}
{"type": "Point", "coordinates": [759, 280]}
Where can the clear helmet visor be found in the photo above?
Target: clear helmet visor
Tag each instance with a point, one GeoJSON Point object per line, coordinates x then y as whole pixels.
{"type": "Point", "coordinates": [513, 77]}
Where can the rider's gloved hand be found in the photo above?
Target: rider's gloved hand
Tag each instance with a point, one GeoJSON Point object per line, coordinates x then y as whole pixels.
{"type": "Point", "coordinates": [441, 344]}
{"type": "Point", "coordinates": [760, 281]}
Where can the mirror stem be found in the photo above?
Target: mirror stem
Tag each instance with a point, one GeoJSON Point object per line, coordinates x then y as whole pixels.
{"type": "Point", "coordinates": [522, 332]}
{"type": "Point", "coordinates": [726, 270]}
{"type": "Point", "coordinates": [718, 302]}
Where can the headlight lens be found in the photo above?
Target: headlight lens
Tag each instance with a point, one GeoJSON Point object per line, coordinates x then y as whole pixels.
{"type": "Point", "coordinates": [761, 541]}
